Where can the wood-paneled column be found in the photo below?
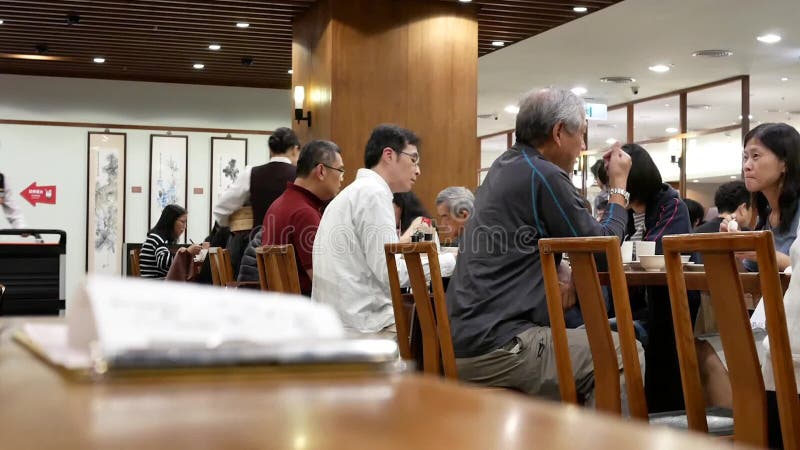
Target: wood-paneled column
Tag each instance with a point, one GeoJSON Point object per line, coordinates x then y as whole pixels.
{"type": "Point", "coordinates": [408, 62]}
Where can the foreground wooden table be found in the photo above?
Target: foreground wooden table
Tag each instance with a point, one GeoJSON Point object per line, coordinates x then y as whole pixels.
{"type": "Point", "coordinates": [40, 409]}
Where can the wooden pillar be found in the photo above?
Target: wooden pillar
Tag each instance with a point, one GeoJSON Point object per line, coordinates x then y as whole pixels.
{"type": "Point", "coordinates": [413, 63]}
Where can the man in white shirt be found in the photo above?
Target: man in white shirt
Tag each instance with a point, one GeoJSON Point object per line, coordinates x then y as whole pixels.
{"type": "Point", "coordinates": [10, 207]}
{"type": "Point", "coordinates": [350, 271]}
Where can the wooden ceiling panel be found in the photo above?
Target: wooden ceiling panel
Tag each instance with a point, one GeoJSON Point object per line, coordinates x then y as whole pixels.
{"type": "Point", "coordinates": [160, 40]}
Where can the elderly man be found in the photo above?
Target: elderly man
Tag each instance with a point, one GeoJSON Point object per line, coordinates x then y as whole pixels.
{"type": "Point", "coordinates": [350, 271]}
{"type": "Point", "coordinates": [454, 205]}
{"type": "Point", "coordinates": [496, 298]}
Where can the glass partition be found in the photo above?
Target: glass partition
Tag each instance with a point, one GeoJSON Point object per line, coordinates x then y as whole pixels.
{"type": "Point", "coordinates": [656, 120]}
{"type": "Point", "coordinates": [491, 148]}
{"type": "Point", "coordinates": [603, 133]}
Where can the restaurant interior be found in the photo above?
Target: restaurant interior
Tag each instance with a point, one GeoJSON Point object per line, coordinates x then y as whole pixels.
{"type": "Point", "coordinates": [96, 94]}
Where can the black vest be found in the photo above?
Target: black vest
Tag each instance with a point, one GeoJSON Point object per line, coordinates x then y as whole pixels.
{"type": "Point", "coordinates": [267, 182]}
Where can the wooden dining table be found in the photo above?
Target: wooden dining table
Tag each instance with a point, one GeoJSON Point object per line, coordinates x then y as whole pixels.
{"type": "Point", "coordinates": [695, 281]}
{"type": "Point", "coordinates": [42, 408]}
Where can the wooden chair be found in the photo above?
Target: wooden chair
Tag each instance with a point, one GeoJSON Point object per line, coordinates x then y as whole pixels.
{"type": "Point", "coordinates": [277, 268]}
{"type": "Point", "coordinates": [606, 367]}
{"type": "Point", "coordinates": [133, 260]}
{"type": "Point", "coordinates": [437, 342]}
{"type": "Point", "coordinates": [725, 286]}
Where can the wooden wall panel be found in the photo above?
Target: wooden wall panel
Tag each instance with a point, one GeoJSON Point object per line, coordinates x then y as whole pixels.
{"type": "Point", "coordinates": [312, 55]}
{"type": "Point", "coordinates": [412, 63]}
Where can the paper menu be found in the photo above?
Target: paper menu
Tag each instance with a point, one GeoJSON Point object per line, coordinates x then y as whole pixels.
{"type": "Point", "coordinates": [123, 315]}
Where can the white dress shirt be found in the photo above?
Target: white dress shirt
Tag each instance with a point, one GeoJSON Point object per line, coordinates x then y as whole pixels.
{"type": "Point", "coordinates": [238, 194]}
{"type": "Point", "coordinates": [11, 207]}
{"type": "Point", "coordinates": [350, 271]}
{"type": "Point", "coordinates": [791, 305]}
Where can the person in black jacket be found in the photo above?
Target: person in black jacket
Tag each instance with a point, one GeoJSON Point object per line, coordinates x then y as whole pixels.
{"type": "Point", "coordinates": [664, 214]}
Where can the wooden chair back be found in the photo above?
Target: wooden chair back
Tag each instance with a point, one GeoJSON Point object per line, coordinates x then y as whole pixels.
{"type": "Point", "coordinates": [133, 260]}
{"type": "Point", "coordinates": [604, 355]}
{"type": "Point", "coordinates": [437, 342]}
{"type": "Point", "coordinates": [277, 269]}
{"type": "Point", "coordinates": [216, 257]}
{"type": "Point", "coordinates": [727, 299]}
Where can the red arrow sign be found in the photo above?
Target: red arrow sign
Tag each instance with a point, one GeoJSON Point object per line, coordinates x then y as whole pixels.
{"type": "Point", "coordinates": [39, 194]}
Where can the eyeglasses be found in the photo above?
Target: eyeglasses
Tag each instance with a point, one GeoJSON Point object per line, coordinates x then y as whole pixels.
{"type": "Point", "coordinates": [338, 169]}
{"type": "Point", "coordinates": [414, 157]}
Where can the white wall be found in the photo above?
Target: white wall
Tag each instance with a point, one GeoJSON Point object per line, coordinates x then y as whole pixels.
{"type": "Point", "coordinates": [54, 155]}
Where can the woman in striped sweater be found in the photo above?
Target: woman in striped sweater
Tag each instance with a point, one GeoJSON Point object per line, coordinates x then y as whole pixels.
{"type": "Point", "coordinates": [155, 257]}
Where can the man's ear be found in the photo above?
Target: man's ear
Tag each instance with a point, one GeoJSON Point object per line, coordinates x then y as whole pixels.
{"type": "Point", "coordinates": [558, 128]}
{"type": "Point", "coordinates": [387, 154]}
{"type": "Point", "coordinates": [463, 214]}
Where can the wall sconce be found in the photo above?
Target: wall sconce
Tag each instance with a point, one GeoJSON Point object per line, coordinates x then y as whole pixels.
{"type": "Point", "coordinates": [299, 97]}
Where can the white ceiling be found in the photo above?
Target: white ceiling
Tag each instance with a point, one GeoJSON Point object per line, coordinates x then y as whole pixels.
{"type": "Point", "coordinates": [626, 38]}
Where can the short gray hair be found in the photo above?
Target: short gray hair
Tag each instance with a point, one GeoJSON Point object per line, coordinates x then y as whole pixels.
{"type": "Point", "coordinates": [541, 110]}
{"type": "Point", "coordinates": [458, 199]}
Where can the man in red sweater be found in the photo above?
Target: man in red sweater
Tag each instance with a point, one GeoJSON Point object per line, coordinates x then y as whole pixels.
{"type": "Point", "coordinates": [294, 217]}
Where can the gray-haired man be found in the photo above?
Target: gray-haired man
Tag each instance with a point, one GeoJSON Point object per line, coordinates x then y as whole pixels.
{"type": "Point", "coordinates": [496, 298]}
{"type": "Point", "coordinates": [454, 205]}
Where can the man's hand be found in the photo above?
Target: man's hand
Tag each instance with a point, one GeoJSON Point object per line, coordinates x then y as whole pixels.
{"type": "Point", "coordinates": [618, 165]}
{"type": "Point", "coordinates": [567, 287]}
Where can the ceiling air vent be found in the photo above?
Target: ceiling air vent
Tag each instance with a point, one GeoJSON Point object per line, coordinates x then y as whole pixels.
{"type": "Point", "coordinates": [713, 53]}
{"type": "Point", "coordinates": [618, 80]}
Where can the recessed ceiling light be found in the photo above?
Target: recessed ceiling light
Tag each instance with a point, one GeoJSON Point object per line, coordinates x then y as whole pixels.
{"type": "Point", "coordinates": [99, 60]}
{"type": "Point", "coordinates": [580, 9]}
{"type": "Point", "coordinates": [769, 38]}
{"type": "Point", "coordinates": [199, 66]}
{"type": "Point", "coordinates": [465, 1]}
{"type": "Point", "coordinates": [1, 21]}
{"type": "Point", "coordinates": [695, 181]}
{"type": "Point", "coordinates": [512, 109]}
{"type": "Point", "coordinates": [578, 90]}
{"type": "Point", "coordinates": [611, 141]}
{"type": "Point", "coordinates": [671, 130]}
{"type": "Point", "coordinates": [214, 47]}
{"type": "Point", "coordinates": [733, 177]}
{"type": "Point", "coordinates": [749, 116]}
{"type": "Point", "coordinates": [498, 43]}
{"type": "Point", "coordinates": [290, 71]}
{"type": "Point", "coordinates": [660, 68]}
{"type": "Point", "coordinates": [242, 24]}
{"type": "Point", "coordinates": [784, 78]}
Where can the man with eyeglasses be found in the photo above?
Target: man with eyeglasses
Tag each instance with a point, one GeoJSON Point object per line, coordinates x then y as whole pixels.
{"type": "Point", "coordinates": [350, 271]}
{"type": "Point", "coordinates": [293, 217]}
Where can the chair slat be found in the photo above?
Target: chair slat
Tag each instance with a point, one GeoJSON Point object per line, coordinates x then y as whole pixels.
{"type": "Point", "coordinates": [133, 259]}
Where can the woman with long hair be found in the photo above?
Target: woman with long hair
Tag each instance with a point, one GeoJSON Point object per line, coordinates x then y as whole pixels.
{"type": "Point", "coordinates": [155, 257]}
{"type": "Point", "coordinates": [771, 166]}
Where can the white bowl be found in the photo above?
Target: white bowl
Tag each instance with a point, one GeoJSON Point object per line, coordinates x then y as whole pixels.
{"type": "Point", "coordinates": [652, 263]}
{"type": "Point", "coordinates": [685, 258]}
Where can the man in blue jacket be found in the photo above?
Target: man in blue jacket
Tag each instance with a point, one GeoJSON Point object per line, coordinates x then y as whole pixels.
{"type": "Point", "coordinates": [496, 297]}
